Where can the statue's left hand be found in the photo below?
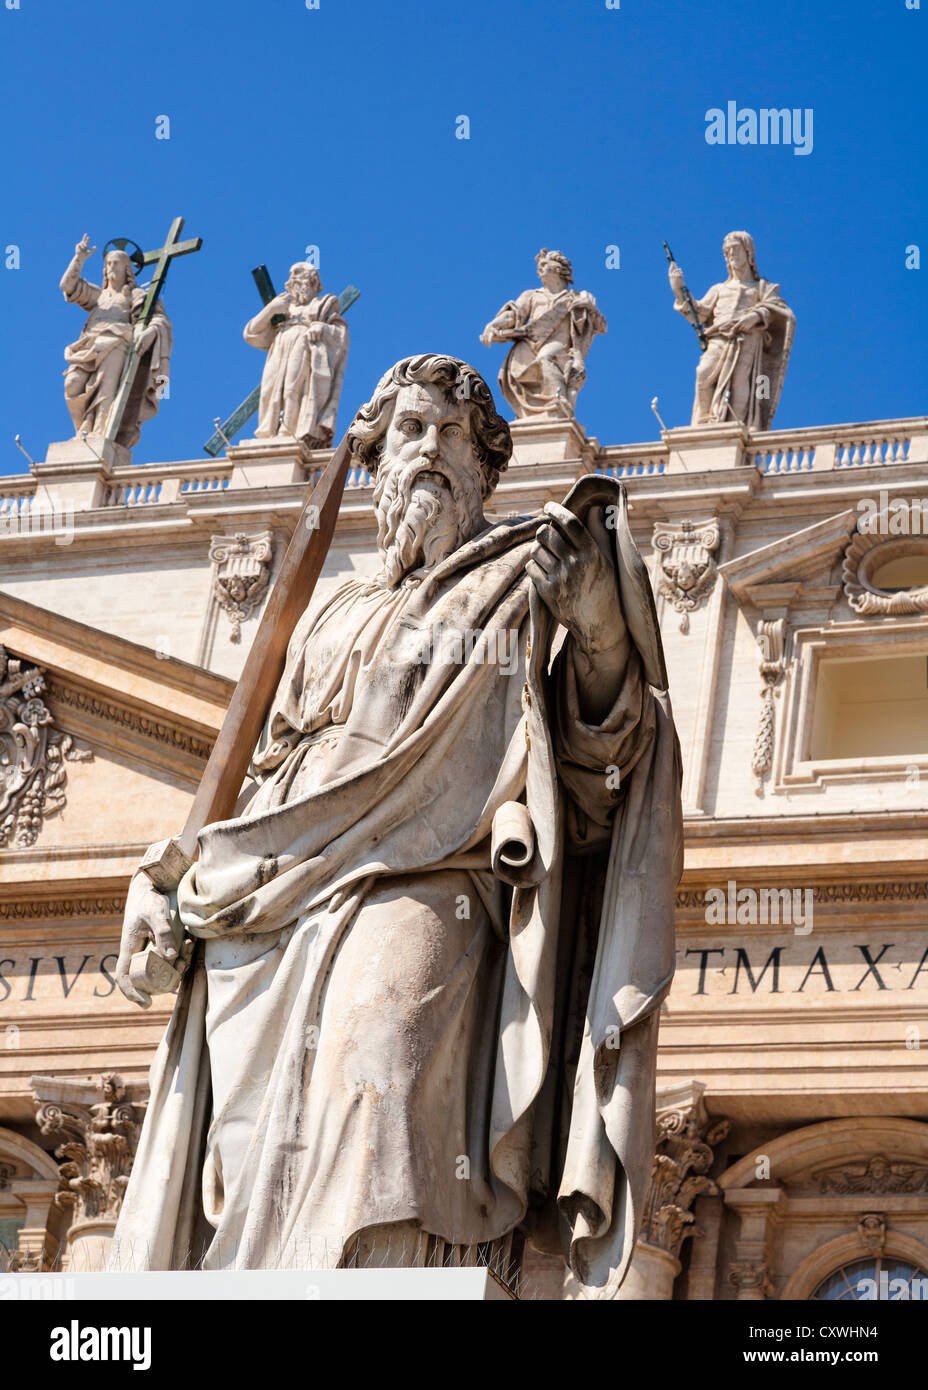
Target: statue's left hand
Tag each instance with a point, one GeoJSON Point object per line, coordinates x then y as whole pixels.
{"type": "Point", "coordinates": [145, 335]}
{"type": "Point", "coordinates": [577, 582]}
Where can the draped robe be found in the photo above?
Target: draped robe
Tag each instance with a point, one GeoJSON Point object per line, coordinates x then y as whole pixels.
{"type": "Point", "coordinates": [302, 380]}
{"type": "Point", "coordinates": [101, 351]}
{"type": "Point", "coordinates": [562, 327]}
{"type": "Point", "coordinates": [747, 356]}
{"type": "Point", "coordinates": [371, 1003]}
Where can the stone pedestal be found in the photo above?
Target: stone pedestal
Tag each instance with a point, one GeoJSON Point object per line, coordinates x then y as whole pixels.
{"type": "Point", "coordinates": [88, 1246]}
{"type": "Point", "coordinates": [651, 1274]}
{"type": "Point", "coordinates": [76, 473]}
{"type": "Point", "coordinates": [705, 448]}
{"type": "Point", "coordinates": [551, 440]}
{"type": "Point", "coordinates": [269, 462]}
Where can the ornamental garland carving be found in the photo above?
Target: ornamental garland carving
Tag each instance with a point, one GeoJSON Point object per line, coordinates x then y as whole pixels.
{"type": "Point", "coordinates": [914, 890]}
{"type": "Point", "coordinates": [241, 572]}
{"type": "Point", "coordinates": [33, 754]}
{"type": "Point", "coordinates": [771, 639]}
{"type": "Point", "coordinates": [687, 568]}
{"type": "Point", "coordinates": [130, 720]}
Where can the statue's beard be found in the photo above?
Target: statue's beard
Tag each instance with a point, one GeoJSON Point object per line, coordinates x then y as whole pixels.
{"type": "Point", "coordinates": [423, 514]}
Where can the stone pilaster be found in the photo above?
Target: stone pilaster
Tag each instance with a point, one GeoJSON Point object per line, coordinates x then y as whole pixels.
{"type": "Point", "coordinates": [760, 1209]}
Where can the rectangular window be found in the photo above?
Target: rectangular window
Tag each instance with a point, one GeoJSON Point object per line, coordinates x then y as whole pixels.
{"type": "Point", "coordinates": [871, 708]}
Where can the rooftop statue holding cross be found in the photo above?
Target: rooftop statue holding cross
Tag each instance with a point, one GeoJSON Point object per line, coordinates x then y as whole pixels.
{"type": "Point", "coordinates": [119, 367]}
{"type": "Point", "coordinates": [306, 341]}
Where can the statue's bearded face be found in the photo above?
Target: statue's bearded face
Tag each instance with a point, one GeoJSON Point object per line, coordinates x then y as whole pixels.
{"type": "Point", "coordinates": [428, 495]}
{"type": "Point", "coordinates": [117, 270]}
{"type": "Point", "coordinates": [736, 256]}
{"type": "Point", "coordinates": [303, 283]}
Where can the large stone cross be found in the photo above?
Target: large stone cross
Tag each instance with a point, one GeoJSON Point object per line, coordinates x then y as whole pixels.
{"type": "Point", "coordinates": [161, 259]}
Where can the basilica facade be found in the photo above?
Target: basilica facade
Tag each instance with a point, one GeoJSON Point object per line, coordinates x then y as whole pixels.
{"type": "Point", "coordinates": [790, 570]}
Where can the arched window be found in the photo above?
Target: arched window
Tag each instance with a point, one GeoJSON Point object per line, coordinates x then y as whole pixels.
{"type": "Point", "coordinates": [882, 1279]}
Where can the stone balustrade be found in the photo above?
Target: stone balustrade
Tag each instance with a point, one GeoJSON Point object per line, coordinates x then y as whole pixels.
{"type": "Point", "coordinates": [691, 449]}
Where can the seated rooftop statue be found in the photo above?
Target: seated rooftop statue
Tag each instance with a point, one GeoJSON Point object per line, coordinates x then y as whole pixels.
{"type": "Point", "coordinates": [421, 1013]}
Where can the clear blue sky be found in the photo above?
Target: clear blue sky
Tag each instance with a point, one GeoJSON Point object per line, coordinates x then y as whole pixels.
{"type": "Point", "coordinates": [336, 127]}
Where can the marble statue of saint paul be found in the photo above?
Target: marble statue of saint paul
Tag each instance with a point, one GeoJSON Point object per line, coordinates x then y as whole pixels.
{"type": "Point", "coordinates": [421, 1013]}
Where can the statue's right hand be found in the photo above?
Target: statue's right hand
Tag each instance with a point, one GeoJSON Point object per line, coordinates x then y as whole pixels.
{"type": "Point", "coordinates": [675, 276]}
{"type": "Point", "coordinates": [84, 248]}
{"type": "Point", "coordinates": [147, 919]}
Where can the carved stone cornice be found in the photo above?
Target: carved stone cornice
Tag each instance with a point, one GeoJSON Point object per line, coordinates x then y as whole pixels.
{"type": "Point", "coordinates": [133, 721]}
{"type": "Point", "coordinates": [687, 572]}
{"type": "Point", "coordinates": [99, 1127]}
{"type": "Point", "coordinates": [901, 890]}
{"type": "Point", "coordinates": [60, 909]}
{"type": "Point", "coordinates": [685, 1136]}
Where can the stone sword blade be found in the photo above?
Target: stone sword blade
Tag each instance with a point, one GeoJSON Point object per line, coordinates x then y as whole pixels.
{"type": "Point", "coordinates": [228, 762]}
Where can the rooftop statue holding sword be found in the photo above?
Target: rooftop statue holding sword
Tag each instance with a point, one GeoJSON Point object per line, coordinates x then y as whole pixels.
{"type": "Point", "coordinates": [745, 330]}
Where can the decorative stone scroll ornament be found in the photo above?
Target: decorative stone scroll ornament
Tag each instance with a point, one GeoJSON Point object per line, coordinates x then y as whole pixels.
{"type": "Point", "coordinates": [32, 754]}
{"type": "Point", "coordinates": [771, 639]}
{"type": "Point", "coordinates": [99, 1140]}
{"type": "Point", "coordinates": [688, 570]}
{"type": "Point", "coordinates": [241, 571]}
{"type": "Point", "coordinates": [893, 535]}
{"type": "Point", "coordinates": [686, 1135]}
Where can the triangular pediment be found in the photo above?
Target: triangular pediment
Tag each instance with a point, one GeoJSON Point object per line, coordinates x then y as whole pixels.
{"type": "Point", "coordinates": [104, 743]}
{"type": "Point", "coordinates": [776, 574]}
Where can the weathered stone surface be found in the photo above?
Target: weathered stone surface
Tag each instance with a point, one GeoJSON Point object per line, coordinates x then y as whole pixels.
{"type": "Point", "coordinates": [749, 329]}
{"type": "Point", "coordinates": [551, 330]}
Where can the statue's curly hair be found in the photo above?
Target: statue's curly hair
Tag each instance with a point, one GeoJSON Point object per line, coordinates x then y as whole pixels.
{"type": "Point", "coordinates": [490, 435]}
{"type": "Point", "coordinates": [307, 265]}
{"type": "Point", "coordinates": [558, 260]}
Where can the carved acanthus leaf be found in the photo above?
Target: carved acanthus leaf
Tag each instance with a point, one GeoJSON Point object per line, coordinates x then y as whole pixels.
{"type": "Point", "coordinates": [682, 1160]}
{"type": "Point", "coordinates": [99, 1143]}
